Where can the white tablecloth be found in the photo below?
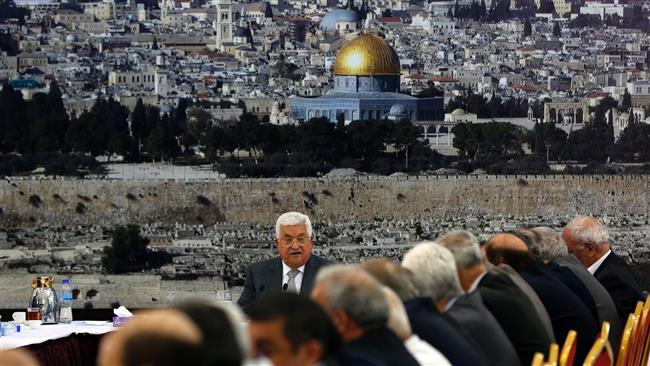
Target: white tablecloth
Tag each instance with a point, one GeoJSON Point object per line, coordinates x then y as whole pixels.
{"type": "Point", "coordinates": [55, 331]}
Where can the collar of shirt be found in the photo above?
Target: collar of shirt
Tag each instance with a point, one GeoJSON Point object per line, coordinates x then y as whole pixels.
{"type": "Point", "coordinates": [594, 267]}
{"type": "Point", "coordinates": [474, 284]}
{"type": "Point", "coordinates": [297, 280]}
{"type": "Point", "coordinates": [451, 303]}
{"type": "Point", "coordinates": [286, 269]}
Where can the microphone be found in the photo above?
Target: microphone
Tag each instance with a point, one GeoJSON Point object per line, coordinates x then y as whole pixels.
{"type": "Point", "coordinates": [284, 287]}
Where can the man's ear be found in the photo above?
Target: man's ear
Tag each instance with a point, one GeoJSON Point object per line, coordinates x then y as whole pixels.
{"type": "Point", "coordinates": [311, 352]}
{"type": "Point", "coordinates": [341, 320]}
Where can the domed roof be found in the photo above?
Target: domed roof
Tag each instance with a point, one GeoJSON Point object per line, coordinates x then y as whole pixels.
{"type": "Point", "coordinates": [367, 54]}
{"type": "Point", "coordinates": [338, 15]}
{"type": "Point", "coordinates": [397, 110]}
{"type": "Point", "coordinates": [458, 112]}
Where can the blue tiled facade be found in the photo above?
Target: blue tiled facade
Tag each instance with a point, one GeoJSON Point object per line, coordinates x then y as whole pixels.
{"type": "Point", "coordinates": [366, 97]}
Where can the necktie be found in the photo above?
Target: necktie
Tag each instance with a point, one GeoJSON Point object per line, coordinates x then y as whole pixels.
{"type": "Point", "coordinates": [291, 283]}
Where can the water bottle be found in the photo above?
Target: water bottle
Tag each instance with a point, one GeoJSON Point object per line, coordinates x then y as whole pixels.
{"type": "Point", "coordinates": [65, 302]}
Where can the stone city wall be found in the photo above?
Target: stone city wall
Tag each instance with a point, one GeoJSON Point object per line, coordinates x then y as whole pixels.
{"type": "Point", "coordinates": [66, 202]}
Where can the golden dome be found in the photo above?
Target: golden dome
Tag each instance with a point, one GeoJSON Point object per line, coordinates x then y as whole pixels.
{"type": "Point", "coordinates": [367, 54]}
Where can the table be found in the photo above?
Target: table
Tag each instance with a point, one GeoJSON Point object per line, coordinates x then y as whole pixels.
{"type": "Point", "coordinates": [61, 344]}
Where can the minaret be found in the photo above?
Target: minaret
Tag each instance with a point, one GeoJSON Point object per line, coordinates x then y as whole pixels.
{"type": "Point", "coordinates": [223, 24]}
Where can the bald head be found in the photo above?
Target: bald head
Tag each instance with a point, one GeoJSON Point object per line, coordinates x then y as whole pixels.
{"type": "Point", "coordinates": [586, 238]}
{"type": "Point", "coordinates": [507, 248]}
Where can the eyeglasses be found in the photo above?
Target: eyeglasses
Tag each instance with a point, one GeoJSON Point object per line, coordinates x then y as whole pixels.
{"type": "Point", "coordinates": [302, 240]}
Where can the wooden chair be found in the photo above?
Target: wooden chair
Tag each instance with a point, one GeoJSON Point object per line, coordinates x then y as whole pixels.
{"type": "Point", "coordinates": [568, 353]}
{"type": "Point", "coordinates": [601, 353]}
{"type": "Point", "coordinates": [635, 338]}
{"type": "Point", "coordinates": [642, 333]}
{"type": "Point", "coordinates": [645, 359]}
{"type": "Point", "coordinates": [538, 359]}
{"type": "Point", "coordinates": [626, 338]}
{"type": "Point", "coordinates": [553, 353]}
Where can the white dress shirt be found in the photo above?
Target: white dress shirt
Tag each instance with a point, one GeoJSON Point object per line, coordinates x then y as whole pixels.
{"type": "Point", "coordinates": [424, 353]}
{"type": "Point", "coordinates": [298, 279]}
{"type": "Point", "coordinates": [594, 267]}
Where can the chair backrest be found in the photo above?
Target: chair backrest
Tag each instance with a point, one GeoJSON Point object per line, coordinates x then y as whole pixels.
{"type": "Point", "coordinates": [600, 354]}
{"type": "Point", "coordinates": [538, 359]}
{"type": "Point", "coordinates": [568, 353]}
{"type": "Point", "coordinates": [553, 354]}
{"type": "Point", "coordinates": [635, 338]}
{"type": "Point", "coordinates": [642, 333]}
{"type": "Point", "coordinates": [604, 330]}
{"type": "Point", "coordinates": [645, 359]}
{"type": "Point", "coordinates": [624, 347]}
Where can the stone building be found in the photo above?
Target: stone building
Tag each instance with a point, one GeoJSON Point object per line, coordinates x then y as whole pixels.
{"type": "Point", "coordinates": [366, 86]}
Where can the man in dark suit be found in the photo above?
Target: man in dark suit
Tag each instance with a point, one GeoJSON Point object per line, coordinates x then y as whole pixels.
{"type": "Point", "coordinates": [424, 318]}
{"type": "Point", "coordinates": [588, 240]}
{"type": "Point", "coordinates": [566, 310]}
{"type": "Point", "coordinates": [511, 308]}
{"type": "Point", "coordinates": [551, 249]}
{"type": "Point", "coordinates": [295, 268]}
{"type": "Point", "coordinates": [359, 310]}
{"type": "Point", "coordinates": [435, 270]}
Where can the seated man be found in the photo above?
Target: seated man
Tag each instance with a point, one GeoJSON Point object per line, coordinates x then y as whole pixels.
{"type": "Point", "coordinates": [435, 270]}
{"type": "Point", "coordinates": [224, 341]}
{"type": "Point", "coordinates": [156, 338]}
{"type": "Point", "coordinates": [551, 248]}
{"type": "Point", "coordinates": [511, 307]}
{"type": "Point", "coordinates": [566, 310]}
{"type": "Point", "coordinates": [290, 330]}
{"type": "Point", "coordinates": [358, 308]}
{"type": "Point", "coordinates": [588, 240]}
{"type": "Point", "coordinates": [424, 318]}
{"type": "Point", "coordinates": [293, 271]}
{"type": "Point", "coordinates": [398, 322]}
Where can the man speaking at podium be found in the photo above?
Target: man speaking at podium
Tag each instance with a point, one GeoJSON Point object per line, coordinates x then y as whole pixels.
{"type": "Point", "coordinates": [293, 271]}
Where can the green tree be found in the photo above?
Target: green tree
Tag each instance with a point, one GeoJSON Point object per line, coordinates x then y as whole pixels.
{"type": "Point", "coordinates": [528, 28]}
{"type": "Point", "coordinates": [626, 101]}
{"type": "Point", "coordinates": [634, 143]}
{"type": "Point", "coordinates": [14, 130]}
{"type": "Point", "coordinates": [127, 252]}
{"type": "Point", "coordinates": [557, 31]}
{"type": "Point", "coordinates": [139, 129]}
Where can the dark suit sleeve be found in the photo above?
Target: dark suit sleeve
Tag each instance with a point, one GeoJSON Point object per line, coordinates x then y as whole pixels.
{"type": "Point", "coordinates": [248, 295]}
{"type": "Point", "coordinates": [623, 292]}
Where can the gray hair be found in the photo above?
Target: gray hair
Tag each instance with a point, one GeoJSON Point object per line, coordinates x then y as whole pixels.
{"type": "Point", "coordinates": [293, 218]}
{"type": "Point", "coordinates": [549, 245]}
{"type": "Point", "coordinates": [586, 229]}
{"type": "Point", "coordinates": [464, 246]}
{"type": "Point", "coordinates": [390, 274]}
{"type": "Point", "coordinates": [398, 320]}
{"type": "Point", "coordinates": [351, 289]}
{"type": "Point", "coordinates": [434, 269]}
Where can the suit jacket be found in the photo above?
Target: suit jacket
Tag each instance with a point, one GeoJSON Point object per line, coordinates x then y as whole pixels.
{"type": "Point", "coordinates": [566, 310]}
{"type": "Point", "coordinates": [574, 284]}
{"type": "Point", "coordinates": [621, 283]}
{"type": "Point", "coordinates": [515, 313]}
{"type": "Point", "coordinates": [470, 313]}
{"type": "Point", "coordinates": [377, 347]}
{"type": "Point", "coordinates": [604, 303]}
{"type": "Point", "coordinates": [427, 323]}
{"type": "Point", "coordinates": [538, 306]}
{"type": "Point", "coordinates": [266, 276]}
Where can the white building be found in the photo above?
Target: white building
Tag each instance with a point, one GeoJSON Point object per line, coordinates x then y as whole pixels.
{"type": "Point", "coordinates": [150, 79]}
{"type": "Point", "coordinates": [224, 23]}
